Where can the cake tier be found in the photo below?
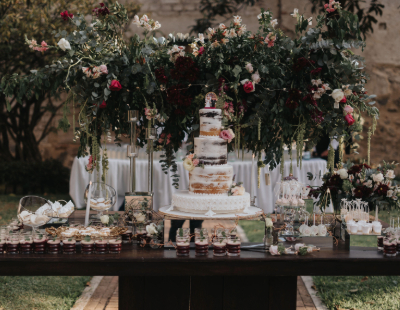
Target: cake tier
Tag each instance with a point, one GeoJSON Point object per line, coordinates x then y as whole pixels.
{"type": "Point", "coordinates": [210, 122]}
{"type": "Point", "coordinates": [191, 203]}
{"type": "Point", "coordinates": [211, 179]}
{"type": "Point", "coordinates": [211, 150]}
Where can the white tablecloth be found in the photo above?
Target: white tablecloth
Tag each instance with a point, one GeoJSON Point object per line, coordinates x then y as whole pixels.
{"type": "Point", "coordinates": [119, 172]}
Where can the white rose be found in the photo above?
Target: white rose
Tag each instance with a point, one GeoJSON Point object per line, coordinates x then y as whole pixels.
{"type": "Point", "coordinates": [337, 94]}
{"type": "Point", "coordinates": [390, 193]}
{"type": "Point", "coordinates": [104, 219]}
{"type": "Point", "coordinates": [378, 177]}
{"type": "Point", "coordinates": [343, 174]}
{"type": "Point", "coordinates": [309, 249]}
{"type": "Point", "coordinates": [151, 229]}
{"type": "Point", "coordinates": [241, 191]}
{"type": "Point", "coordinates": [368, 183]}
{"type": "Point", "coordinates": [273, 249]}
{"type": "Point", "coordinates": [268, 222]}
{"type": "Point", "coordinates": [249, 67]}
{"type": "Point", "coordinates": [390, 174]}
{"type": "Point", "coordinates": [64, 44]}
{"type": "Point", "coordinates": [188, 164]}
{"type": "Point", "coordinates": [140, 217]}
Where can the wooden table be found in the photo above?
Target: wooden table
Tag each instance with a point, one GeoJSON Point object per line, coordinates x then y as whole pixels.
{"type": "Point", "coordinates": [158, 279]}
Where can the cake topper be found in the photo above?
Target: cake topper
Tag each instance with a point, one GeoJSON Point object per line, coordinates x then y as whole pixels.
{"type": "Point", "coordinates": [211, 100]}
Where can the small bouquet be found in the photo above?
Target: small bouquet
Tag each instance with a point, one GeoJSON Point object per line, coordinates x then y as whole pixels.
{"type": "Point", "coordinates": [191, 161]}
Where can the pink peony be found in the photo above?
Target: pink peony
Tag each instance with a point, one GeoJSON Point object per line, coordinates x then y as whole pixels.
{"type": "Point", "coordinates": [103, 69]}
{"type": "Point", "coordinates": [348, 109]}
{"type": "Point", "coordinates": [195, 162]}
{"type": "Point", "coordinates": [226, 135]}
{"type": "Point", "coordinates": [349, 119]}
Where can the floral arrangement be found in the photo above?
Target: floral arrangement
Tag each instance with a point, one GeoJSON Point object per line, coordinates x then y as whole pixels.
{"type": "Point", "coordinates": [236, 189]}
{"type": "Point", "coordinates": [191, 161]}
{"type": "Point", "coordinates": [273, 89]}
{"type": "Point", "coordinates": [359, 182]}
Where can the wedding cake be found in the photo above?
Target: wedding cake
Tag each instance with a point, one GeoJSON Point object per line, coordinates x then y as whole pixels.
{"type": "Point", "coordinates": [211, 185]}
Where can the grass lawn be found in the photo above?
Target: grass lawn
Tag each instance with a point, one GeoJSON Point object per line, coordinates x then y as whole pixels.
{"type": "Point", "coordinates": [45, 293]}
{"type": "Point", "coordinates": [366, 293]}
{"type": "Point", "coordinates": [254, 230]}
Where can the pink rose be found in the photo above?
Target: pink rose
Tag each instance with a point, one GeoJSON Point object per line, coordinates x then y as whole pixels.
{"type": "Point", "coordinates": [235, 191]}
{"type": "Point", "coordinates": [273, 249]}
{"type": "Point", "coordinates": [115, 86]}
{"type": "Point", "coordinates": [195, 162]}
{"type": "Point", "coordinates": [169, 136]}
{"type": "Point", "coordinates": [103, 69]}
{"type": "Point", "coordinates": [190, 156]}
{"type": "Point", "coordinates": [226, 135]}
{"type": "Point", "coordinates": [161, 141]}
{"type": "Point", "coordinates": [348, 109]}
{"type": "Point", "coordinates": [344, 100]}
{"type": "Point", "coordinates": [248, 87]}
{"type": "Point", "coordinates": [349, 119]}
{"type": "Point", "coordinates": [103, 105]}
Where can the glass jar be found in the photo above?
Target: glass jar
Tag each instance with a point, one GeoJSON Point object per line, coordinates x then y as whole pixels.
{"type": "Point", "coordinates": [69, 244]}
{"type": "Point", "coordinates": [268, 238]}
{"type": "Point", "coordinates": [126, 237]}
{"type": "Point", "coordinates": [201, 246]}
{"type": "Point", "coordinates": [13, 242]}
{"type": "Point", "coordinates": [101, 244]}
{"type": "Point", "coordinates": [219, 247]}
{"type": "Point", "coordinates": [141, 233]}
{"type": "Point", "coordinates": [39, 241]}
{"type": "Point", "coordinates": [54, 245]}
{"type": "Point", "coordinates": [115, 244]}
{"type": "Point", "coordinates": [233, 246]}
{"type": "Point", "coordinates": [182, 242]}
{"type": "Point", "coordinates": [87, 245]}
{"type": "Point", "coordinates": [26, 242]}
{"type": "Point", "coordinates": [155, 242]}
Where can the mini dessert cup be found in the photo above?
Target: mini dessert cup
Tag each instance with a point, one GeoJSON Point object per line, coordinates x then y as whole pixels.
{"type": "Point", "coordinates": [233, 246]}
{"type": "Point", "coordinates": [115, 244]}
{"type": "Point", "coordinates": [354, 229]}
{"type": "Point", "coordinates": [69, 244]}
{"type": "Point", "coordinates": [39, 241]}
{"type": "Point", "coordinates": [219, 247]}
{"type": "Point", "coordinates": [182, 247]}
{"type": "Point", "coordinates": [366, 229]}
{"type": "Point", "coordinates": [390, 247]}
{"type": "Point", "coordinates": [377, 227]}
{"type": "Point", "coordinates": [141, 233]}
{"type": "Point", "coordinates": [126, 237]}
{"type": "Point", "coordinates": [101, 244]}
{"type": "Point", "coordinates": [13, 242]}
{"type": "Point", "coordinates": [87, 245]}
{"type": "Point", "coordinates": [26, 242]}
{"type": "Point", "coordinates": [201, 246]}
{"type": "Point", "coordinates": [54, 245]}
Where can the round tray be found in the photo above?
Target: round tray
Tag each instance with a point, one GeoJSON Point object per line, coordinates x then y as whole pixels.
{"type": "Point", "coordinates": [253, 213]}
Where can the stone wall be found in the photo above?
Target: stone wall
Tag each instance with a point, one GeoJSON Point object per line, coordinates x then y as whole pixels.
{"type": "Point", "coordinates": [383, 66]}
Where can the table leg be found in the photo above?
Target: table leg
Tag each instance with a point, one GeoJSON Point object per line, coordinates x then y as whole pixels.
{"type": "Point", "coordinates": [282, 293]}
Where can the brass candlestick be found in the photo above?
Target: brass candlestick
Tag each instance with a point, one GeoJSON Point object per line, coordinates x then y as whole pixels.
{"type": "Point", "coordinates": [151, 135]}
{"type": "Point", "coordinates": [132, 149]}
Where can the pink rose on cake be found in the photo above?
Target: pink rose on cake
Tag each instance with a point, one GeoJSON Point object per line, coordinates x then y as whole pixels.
{"type": "Point", "coordinates": [195, 162]}
{"type": "Point", "coordinates": [227, 135]}
{"type": "Point", "coordinates": [236, 190]}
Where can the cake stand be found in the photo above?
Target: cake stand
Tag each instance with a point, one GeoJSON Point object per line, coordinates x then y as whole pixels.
{"type": "Point", "coordinates": [252, 212]}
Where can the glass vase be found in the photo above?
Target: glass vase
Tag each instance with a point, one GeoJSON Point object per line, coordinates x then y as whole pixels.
{"type": "Point", "coordinates": [268, 238]}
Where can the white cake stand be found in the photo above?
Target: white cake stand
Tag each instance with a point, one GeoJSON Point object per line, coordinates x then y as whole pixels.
{"type": "Point", "coordinates": [253, 212]}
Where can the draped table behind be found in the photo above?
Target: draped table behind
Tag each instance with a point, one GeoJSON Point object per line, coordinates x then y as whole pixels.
{"type": "Point", "coordinates": [118, 174]}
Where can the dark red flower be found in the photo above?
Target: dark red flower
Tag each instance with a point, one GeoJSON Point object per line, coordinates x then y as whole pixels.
{"type": "Point", "coordinates": [175, 74]}
{"type": "Point", "coordinates": [382, 189]}
{"type": "Point", "coordinates": [362, 191]}
{"type": "Point", "coordinates": [160, 75]}
{"type": "Point", "coordinates": [300, 64]}
{"type": "Point", "coordinates": [176, 95]}
{"type": "Point", "coordinates": [184, 63]}
{"type": "Point", "coordinates": [102, 4]}
{"type": "Point", "coordinates": [248, 87]}
{"type": "Point", "coordinates": [115, 86]}
{"type": "Point", "coordinates": [292, 101]}
{"type": "Point", "coordinates": [335, 180]}
{"type": "Point", "coordinates": [103, 10]}
{"type": "Point", "coordinates": [344, 100]}
{"type": "Point", "coordinates": [65, 15]}
{"type": "Point", "coordinates": [103, 105]}
{"type": "Point", "coordinates": [316, 71]}
{"type": "Point", "coordinates": [179, 112]}
{"type": "Point", "coordinates": [316, 116]}
{"type": "Point", "coordinates": [357, 168]}
{"type": "Point", "coordinates": [349, 119]}
{"type": "Point", "coordinates": [201, 51]}
{"type": "Point", "coordinates": [191, 75]}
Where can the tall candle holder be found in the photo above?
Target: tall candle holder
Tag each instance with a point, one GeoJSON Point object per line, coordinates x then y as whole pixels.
{"type": "Point", "coordinates": [151, 135]}
{"type": "Point", "coordinates": [132, 149]}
